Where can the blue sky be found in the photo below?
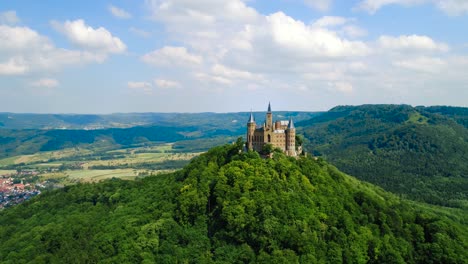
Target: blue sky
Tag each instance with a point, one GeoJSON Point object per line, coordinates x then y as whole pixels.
{"type": "Point", "coordinates": [230, 55]}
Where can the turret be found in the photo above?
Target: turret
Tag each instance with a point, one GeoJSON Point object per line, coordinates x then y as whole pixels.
{"type": "Point", "coordinates": [269, 117]}
{"type": "Point", "coordinates": [291, 138]}
{"type": "Point", "coordinates": [250, 131]}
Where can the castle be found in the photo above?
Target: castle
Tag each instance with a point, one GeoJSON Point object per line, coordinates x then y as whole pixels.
{"type": "Point", "coordinates": [280, 134]}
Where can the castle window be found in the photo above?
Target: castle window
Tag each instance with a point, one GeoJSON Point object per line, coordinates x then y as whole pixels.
{"type": "Point", "coordinates": [269, 138]}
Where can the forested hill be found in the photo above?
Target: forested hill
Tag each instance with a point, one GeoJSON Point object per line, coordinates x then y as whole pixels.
{"type": "Point", "coordinates": [232, 207]}
{"type": "Point", "coordinates": [418, 152]}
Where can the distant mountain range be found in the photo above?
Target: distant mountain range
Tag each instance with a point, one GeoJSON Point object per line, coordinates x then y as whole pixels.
{"type": "Point", "coordinates": [126, 120]}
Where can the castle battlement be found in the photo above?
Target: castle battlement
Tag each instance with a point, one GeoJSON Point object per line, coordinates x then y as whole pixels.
{"type": "Point", "coordinates": [280, 134]}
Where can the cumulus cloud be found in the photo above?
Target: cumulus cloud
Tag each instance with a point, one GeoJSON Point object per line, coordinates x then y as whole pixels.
{"type": "Point", "coordinates": [46, 83]}
{"type": "Point", "coordinates": [23, 50]}
{"type": "Point", "coordinates": [344, 26]}
{"type": "Point", "coordinates": [285, 34]}
{"type": "Point", "coordinates": [234, 74]}
{"type": "Point", "coordinates": [411, 42]}
{"type": "Point", "coordinates": [86, 37]}
{"type": "Point", "coordinates": [330, 21]}
{"type": "Point", "coordinates": [353, 31]}
{"type": "Point", "coordinates": [167, 56]}
{"type": "Point", "coordinates": [22, 38]}
{"type": "Point", "coordinates": [13, 66]}
{"type": "Point", "coordinates": [422, 64]}
{"type": "Point", "coordinates": [450, 7]}
{"type": "Point", "coordinates": [119, 12]}
{"type": "Point", "coordinates": [239, 47]}
{"type": "Point", "coordinates": [161, 83]}
{"type": "Point", "coordinates": [321, 5]}
{"type": "Point", "coordinates": [242, 47]}
{"type": "Point", "coordinates": [9, 17]}
{"type": "Point", "coordinates": [207, 25]}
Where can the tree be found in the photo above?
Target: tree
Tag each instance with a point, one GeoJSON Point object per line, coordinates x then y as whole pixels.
{"type": "Point", "coordinates": [267, 149]}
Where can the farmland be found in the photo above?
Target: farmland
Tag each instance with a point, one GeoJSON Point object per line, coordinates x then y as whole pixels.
{"type": "Point", "coordinates": [75, 165]}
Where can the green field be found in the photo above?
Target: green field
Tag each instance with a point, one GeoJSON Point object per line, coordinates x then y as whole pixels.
{"type": "Point", "coordinates": [83, 165]}
{"type": "Point", "coordinates": [6, 172]}
{"type": "Point", "coordinates": [97, 175]}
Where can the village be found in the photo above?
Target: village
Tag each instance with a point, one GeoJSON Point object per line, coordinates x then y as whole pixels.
{"type": "Point", "coordinates": [17, 187]}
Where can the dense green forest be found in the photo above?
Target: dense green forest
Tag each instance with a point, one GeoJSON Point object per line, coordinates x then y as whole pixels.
{"type": "Point", "coordinates": [420, 153]}
{"type": "Point", "coordinates": [228, 206]}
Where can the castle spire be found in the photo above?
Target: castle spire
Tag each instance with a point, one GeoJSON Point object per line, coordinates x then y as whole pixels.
{"type": "Point", "coordinates": [251, 119]}
{"type": "Point", "coordinates": [291, 124]}
{"type": "Point", "coordinates": [269, 107]}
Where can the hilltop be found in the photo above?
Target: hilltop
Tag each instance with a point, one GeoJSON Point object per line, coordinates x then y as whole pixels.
{"type": "Point", "coordinates": [229, 207]}
{"type": "Point", "coordinates": [418, 152]}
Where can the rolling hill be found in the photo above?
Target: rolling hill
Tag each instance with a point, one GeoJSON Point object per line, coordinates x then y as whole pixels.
{"type": "Point", "coordinates": [418, 152]}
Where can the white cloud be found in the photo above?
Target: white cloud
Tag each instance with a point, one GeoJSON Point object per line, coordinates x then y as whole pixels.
{"type": "Point", "coordinates": [143, 87]}
{"type": "Point", "coordinates": [372, 6]}
{"type": "Point", "coordinates": [276, 53]}
{"type": "Point", "coordinates": [119, 12]}
{"type": "Point", "coordinates": [321, 5]}
{"type": "Point", "coordinates": [412, 43]}
{"type": "Point", "coordinates": [206, 25]}
{"type": "Point", "coordinates": [208, 78]}
{"type": "Point", "coordinates": [422, 64]}
{"type": "Point", "coordinates": [453, 7]}
{"type": "Point", "coordinates": [13, 66]}
{"type": "Point", "coordinates": [307, 41]}
{"type": "Point", "coordinates": [343, 25]}
{"type": "Point", "coordinates": [450, 7]}
{"type": "Point", "coordinates": [233, 74]}
{"type": "Point", "coordinates": [330, 21]}
{"type": "Point", "coordinates": [23, 50]}
{"type": "Point", "coordinates": [22, 38]}
{"type": "Point", "coordinates": [354, 31]}
{"type": "Point", "coordinates": [86, 37]}
{"type": "Point", "coordinates": [46, 83]}
{"type": "Point", "coordinates": [343, 87]}
{"type": "Point", "coordinates": [172, 56]}
{"type": "Point", "coordinates": [161, 83]}
{"type": "Point", "coordinates": [9, 17]}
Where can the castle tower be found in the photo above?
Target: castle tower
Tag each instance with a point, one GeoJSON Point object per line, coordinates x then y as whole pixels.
{"type": "Point", "coordinates": [291, 139]}
{"type": "Point", "coordinates": [269, 117]}
{"type": "Point", "coordinates": [250, 131]}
